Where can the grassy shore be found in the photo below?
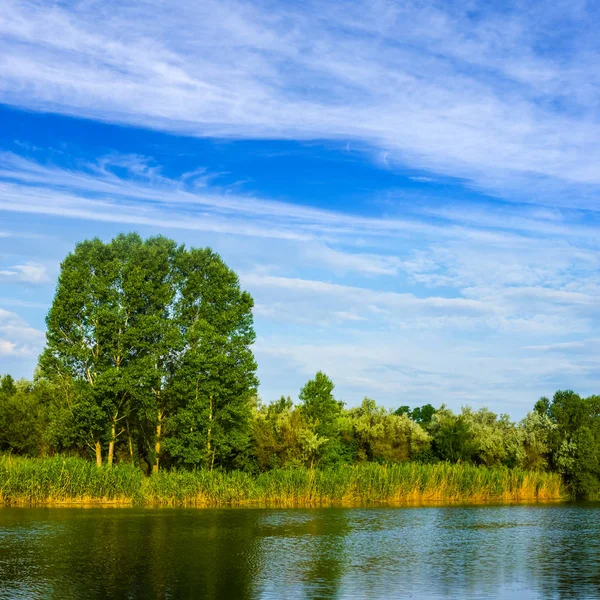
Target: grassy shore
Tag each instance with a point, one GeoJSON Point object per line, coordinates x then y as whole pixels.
{"type": "Point", "coordinates": [58, 480]}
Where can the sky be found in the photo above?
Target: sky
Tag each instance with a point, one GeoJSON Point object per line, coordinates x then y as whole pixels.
{"type": "Point", "coordinates": [409, 190]}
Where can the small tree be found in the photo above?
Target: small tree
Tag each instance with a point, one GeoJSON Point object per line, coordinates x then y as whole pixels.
{"type": "Point", "coordinates": [322, 413]}
{"type": "Point", "coordinates": [318, 403]}
{"type": "Point", "coordinates": [7, 386]}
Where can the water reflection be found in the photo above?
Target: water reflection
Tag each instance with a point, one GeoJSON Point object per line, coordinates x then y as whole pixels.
{"type": "Point", "coordinates": [467, 552]}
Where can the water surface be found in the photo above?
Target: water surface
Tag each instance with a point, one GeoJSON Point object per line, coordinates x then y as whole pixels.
{"type": "Point", "coordinates": [537, 551]}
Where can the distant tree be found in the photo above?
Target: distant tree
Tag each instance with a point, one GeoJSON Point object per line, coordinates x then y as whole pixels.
{"type": "Point", "coordinates": [317, 401]}
{"type": "Point", "coordinates": [383, 436]}
{"type": "Point", "coordinates": [284, 404]}
{"type": "Point", "coordinates": [23, 417]}
{"type": "Point", "coordinates": [569, 411]}
{"type": "Point", "coordinates": [542, 406]}
{"type": "Point", "coordinates": [497, 440]}
{"type": "Point", "coordinates": [420, 414]}
{"type": "Point", "coordinates": [7, 386]}
{"type": "Point", "coordinates": [453, 439]}
{"type": "Point", "coordinates": [536, 430]}
{"type": "Point", "coordinates": [322, 412]}
{"type": "Point", "coordinates": [423, 414]}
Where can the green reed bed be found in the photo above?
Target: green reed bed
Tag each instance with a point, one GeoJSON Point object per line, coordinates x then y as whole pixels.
{"type": "Point", "coordinates": [60, 480]}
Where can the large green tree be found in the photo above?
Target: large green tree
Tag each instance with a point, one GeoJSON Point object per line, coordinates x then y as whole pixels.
{"type": "Point", "coordinates": [214, 379]}
{"type": "Point", "coordinates": [149, 340]}
{"type": "Point", "coordinates": [575, 439]}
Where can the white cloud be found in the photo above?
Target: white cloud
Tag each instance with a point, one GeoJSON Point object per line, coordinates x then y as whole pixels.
{"type": "Point", "coordinates": [340, 262]}
{"type": "Point", "coordinates": [365, 297]}
{"type": "Point", "coordinates": [469, 93]}
{"type": "Point", "coordinates": [415, 369]}
{"type": "Point", "coordinates": [17, 337]}
{"type": "Point", "coordinates": [95, 191]}
{"type": "Point", "coordinates": [99, 194]}
{"type": "Point", "coordinates": [500, 347]}
{"type": "Point", "coordinates": [580, 346]}
{"type": "Point", "coordinates": [31, 272]}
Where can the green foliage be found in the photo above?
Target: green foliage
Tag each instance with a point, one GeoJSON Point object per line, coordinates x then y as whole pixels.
{"type": "Point", "coordinates": [214, 380]}
{"type": "Point", "coordinates": [536, 430]}
{"type": "Point", "coordinates": [420, 414]}
{"type": "Point", "coordinates": [574, 441]}
{"type": "Point", "coordinates": [453, 439]}
{"type": "Point", "coordinates": [7, 386]}
{"type": "Point", "coordinates": [382, 436]}
{"type": "Point", "coordinates": [495, 439]}
{"type": "Point", "coordinates": [40, 417]}
{"type": "Point", "coordinates": [150, 344]}
{"type": "Point", "coordinates": [322, 412]}
{"type": "Point", "coordinates": [317, 401]}
{"type": "Point", "coordinates": [22, 417]}
{"type": "Point", "coordinates": [108, 333]}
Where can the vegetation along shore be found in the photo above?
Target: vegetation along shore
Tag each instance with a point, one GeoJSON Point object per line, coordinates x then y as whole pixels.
{"type": "Point", "coordinates": [146, 393]}
{"type": "Point", "coordinates": [58, 480]}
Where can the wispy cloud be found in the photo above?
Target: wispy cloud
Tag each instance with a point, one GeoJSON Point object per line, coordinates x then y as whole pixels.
{"type": "Point", "coordinates": [483, 94]}
{"type": "Point", "coordinates": [33, 273]}
{"type": "Point", "coordinates": [17, 337]}
{"type": "Point", "coordinates": [399, 303]}
{"type": "Point", "coordinates": [97, 191]}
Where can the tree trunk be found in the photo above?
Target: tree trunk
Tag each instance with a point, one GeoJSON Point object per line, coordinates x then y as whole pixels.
{"type": "Point", "coordinates": [130, 442]}
{"type": "Point", "coordinates": [111, 444]}
{"type": "Point", "coordinates": [98, 454]}
{"type": "Point", "coordinates": [157, 445]}
{"type": "Point", "coordinates": [209, 434]}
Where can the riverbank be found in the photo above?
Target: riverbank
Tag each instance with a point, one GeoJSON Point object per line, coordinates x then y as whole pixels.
{"type": "Point", "coordinates": [73, 481]}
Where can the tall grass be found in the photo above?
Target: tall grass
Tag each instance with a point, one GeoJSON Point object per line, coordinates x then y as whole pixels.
{"type": "Point", "coordinates": [59, 480]}
{"type": "Point", "coordinates": [69, 480]}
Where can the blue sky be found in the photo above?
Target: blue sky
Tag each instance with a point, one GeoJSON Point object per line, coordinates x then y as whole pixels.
{"type": "Point", "coordinates": [409, 190]}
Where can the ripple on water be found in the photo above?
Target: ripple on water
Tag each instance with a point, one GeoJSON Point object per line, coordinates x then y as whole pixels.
{"type": "Point", "coordinates": [430, 552]}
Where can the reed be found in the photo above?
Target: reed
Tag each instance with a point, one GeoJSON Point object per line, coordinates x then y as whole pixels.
{"type": "Point", "coordinates": [58, 480]}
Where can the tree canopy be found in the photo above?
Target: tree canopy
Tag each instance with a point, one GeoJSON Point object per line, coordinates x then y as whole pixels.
{"type": "Point", "coordinates": [152, 342]}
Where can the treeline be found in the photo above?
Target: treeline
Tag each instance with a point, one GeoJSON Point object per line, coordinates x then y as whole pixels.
{"type": "Point", "coordinates": [561, 435]}
{"type": "Point", "coordinates": [148, 361]}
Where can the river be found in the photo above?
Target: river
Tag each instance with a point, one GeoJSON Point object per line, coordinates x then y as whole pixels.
{"type": "Point", "coordinates": [537, 551]}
